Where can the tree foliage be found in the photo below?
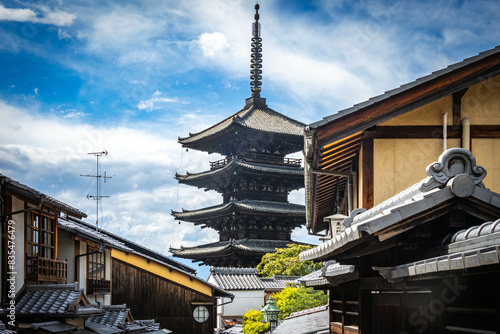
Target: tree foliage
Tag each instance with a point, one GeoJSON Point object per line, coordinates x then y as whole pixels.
{"type": "Point", "coordinates": [297, 298]}
{"type": "Point", "coordinates": [252, 323]}
{"type": "Point", "coordinates": [286, 262]}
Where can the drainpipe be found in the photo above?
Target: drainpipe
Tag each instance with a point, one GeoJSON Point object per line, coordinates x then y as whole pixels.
{"type": "Point", "coordinates": [445, 130]}
{"type": "Point", "coordinates": [466, 134]}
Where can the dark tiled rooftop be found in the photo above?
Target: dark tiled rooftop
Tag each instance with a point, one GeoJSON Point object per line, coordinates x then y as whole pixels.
{"type": "Point", "coordinates": [309, 321]}
{"type": "Point", "coordinates": [256, 118]}
{"type": "Point", "coordinates": [405, 87]}
{"type": "Point", "coordinates": [229, 278]}
{"type": "Point", "coordinates": [54, 300]}
{"type": "Point", "coordinates": [251, 245]}
{"type": "Point", "coordinates": [39, 196]}
{"type": "Point", "coordinates": [248, 205]}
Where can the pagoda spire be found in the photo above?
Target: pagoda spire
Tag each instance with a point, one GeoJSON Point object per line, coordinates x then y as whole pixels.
{"type": "Point", "coordinates": [256, 56]}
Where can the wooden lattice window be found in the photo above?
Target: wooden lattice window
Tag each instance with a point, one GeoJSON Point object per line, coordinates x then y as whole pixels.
{"type": "Point", "coordinates": [40, 240]}
{"type": "Point", "coordinates": [96, 263]}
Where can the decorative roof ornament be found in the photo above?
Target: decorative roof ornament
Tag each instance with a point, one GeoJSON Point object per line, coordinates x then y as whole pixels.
{"type": "Point", "coordinates": [256, 56]}
{"type": "Point", "coordinates": [457, 165]}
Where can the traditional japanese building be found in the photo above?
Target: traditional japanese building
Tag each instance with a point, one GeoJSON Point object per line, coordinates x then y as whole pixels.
{"type": "Point", "coordinates": [254, 178]}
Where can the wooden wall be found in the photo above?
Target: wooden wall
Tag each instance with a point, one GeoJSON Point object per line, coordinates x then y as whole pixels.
{"type": "Point", "coordinates": [152, 297]}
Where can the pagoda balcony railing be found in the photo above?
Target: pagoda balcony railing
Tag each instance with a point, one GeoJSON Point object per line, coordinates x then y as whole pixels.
{"type": "Point", "coordinates": [260, 158]}
{"type": "Point", "coordinates": [41, 269]}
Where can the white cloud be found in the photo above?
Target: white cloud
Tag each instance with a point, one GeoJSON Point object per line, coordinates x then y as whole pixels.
{"type": "Point", "coordinates": [61, 34]}
{"type": "Point", "coordinates": [45, 16]}
{"type": "Point", "coordinates": [213, 44]}
{"type": "Point", "coordinates": [142, 159]}
{"type": "Point", "coordinates": [152, 103]}
{"type": "Point", "coordinates": [74, 114]}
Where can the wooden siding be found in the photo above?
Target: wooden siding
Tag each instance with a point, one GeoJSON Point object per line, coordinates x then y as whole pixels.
{"type": "Point", "coordinates": [152, 297]}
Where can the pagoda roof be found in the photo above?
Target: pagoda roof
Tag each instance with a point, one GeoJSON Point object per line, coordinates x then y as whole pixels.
{"type": "Point", "coordinates": [242, 247]}
{"type": "Point", "coordinates": [208, 179]}
{"type": "Point", "coordinates": [258, 118]}
{"type": "Point", "coordinates": [243, 206]}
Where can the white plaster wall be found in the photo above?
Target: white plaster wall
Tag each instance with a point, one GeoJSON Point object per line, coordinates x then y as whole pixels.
{"type": "Point", "coordinates": [19, 242]}
{"type": "Point", "coordinates": [66, 251]}
{"type": "Point", "coordinates": [244, 300]}
{"type": "Point", "coordinates": [82, 275]}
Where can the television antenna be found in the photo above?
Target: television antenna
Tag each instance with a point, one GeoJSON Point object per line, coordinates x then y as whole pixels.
{"type": "Point", "coordinates": [97, 198]}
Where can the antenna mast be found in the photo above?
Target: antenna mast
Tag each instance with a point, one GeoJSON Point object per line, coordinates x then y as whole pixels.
{"type": "Point", "coordinates": [98, 177]}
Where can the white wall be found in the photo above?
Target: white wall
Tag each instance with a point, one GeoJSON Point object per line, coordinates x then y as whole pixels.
{"type": "Point", "coordinates": [244, 300]}
{"type": "Point", "coordinates": [66, 251]}
{"type": "Point", "coordinates": [19, 241]}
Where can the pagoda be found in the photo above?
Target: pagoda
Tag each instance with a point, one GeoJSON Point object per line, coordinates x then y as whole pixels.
{"type": "Point", "coordinates": [254, 178]}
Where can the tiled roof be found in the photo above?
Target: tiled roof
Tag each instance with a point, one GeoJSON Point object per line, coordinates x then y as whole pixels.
{"type": "Point", "coordinates": [230, 278]}
{"type": "Point", "coordinates": [406, 87]}
{"type": "Point", "coordinates": [330, 269]}
{"type": "Point", "coordinates": [236, 163]}
{"type": "Point", "coordinates": [114, 315]}
{"type": "Point", "coordinates": [277, 282]}
{"type": "Point", "coordinates": [311, 321]}
{"type": "Point", "coordinates": [256, 118]}
{"type": "Point", "coordinates": [474, 247]}
{"type": "Point", "coordinates": [35, 194]}
{"type": "Point", "coordinates": [236, 278]}
{"type": "Point", "coordinates": [454, 175]}
{"type": "Point", "coordinates": [118, 317]}
{"type": "Point", "coordinates": [78, 227]}
{"type": "Point", "coordinates": [243, 205]}
{"type": "Point", "coordinates": [54, 300]}
{"type": "Point", "coordinates": [3, 330]}
{"type": "Point", "coordinates": [247, 245]}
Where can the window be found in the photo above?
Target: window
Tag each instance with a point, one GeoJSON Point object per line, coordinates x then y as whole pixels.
{"type": "Point", "coordinates": [201, 314]}
{"type": "Point", "coordinates": [40, 240]}
{"type": "Point", "coordinates": [96, 264]}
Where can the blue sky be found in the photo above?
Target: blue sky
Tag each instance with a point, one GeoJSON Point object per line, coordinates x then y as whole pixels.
{"type": "Point", "coordinates": [130, 77]}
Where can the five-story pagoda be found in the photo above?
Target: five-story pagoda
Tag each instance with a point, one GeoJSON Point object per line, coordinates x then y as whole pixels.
{"type": "Point", "coordinates": [254, 178]}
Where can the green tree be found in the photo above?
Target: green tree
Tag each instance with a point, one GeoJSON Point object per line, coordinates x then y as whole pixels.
{"type": "Point", "coordinates": [286, 262]}
{"type": "Point", "coordinates": [297, 298]}
{"type": "Point", "coordinates": [252, 323]}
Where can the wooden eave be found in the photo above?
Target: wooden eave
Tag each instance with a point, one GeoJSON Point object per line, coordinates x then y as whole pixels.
{"type": "Point", "coordinates": [335, 140]}
{"type": "Point", "coordinates": [228, 134]}
{"type": "Point", "coordinates": [336, 157]}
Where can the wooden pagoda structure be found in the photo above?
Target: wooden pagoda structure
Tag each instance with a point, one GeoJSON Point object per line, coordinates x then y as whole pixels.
{"type": "Point", "coordinates": [254, 178]}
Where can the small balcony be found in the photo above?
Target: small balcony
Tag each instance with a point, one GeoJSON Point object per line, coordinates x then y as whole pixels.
{"type": "Point", "coordinates": [98, 286]}
{"type": "Point", "coordinates": [259, 158]}
{"type": "Point", "coordinates": [43, 270]}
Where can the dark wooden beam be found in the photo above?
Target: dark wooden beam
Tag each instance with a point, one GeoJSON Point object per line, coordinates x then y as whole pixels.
{"type": "Point", "coordinates": [367, 162]}
{"type": "Point", "coordinates": [430, 131]}
{"type": "Point", "coordinates": [457, 106]}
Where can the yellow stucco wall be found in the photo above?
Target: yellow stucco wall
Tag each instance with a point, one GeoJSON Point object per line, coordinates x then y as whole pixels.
{"type": "Point", "coordinates": [400, 163]}
{"type": "Point", "coordinates": [481, 103]}
{"type": "Point", "coordinates": [487, 153]}
{"type": "Point", "coordinates": [163, 271]}
{"type": "Point", "coordinates": [429, 114]}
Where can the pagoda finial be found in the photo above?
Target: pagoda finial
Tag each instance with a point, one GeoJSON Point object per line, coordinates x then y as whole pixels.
{"type": "Point", "coordinates": [256, 61]}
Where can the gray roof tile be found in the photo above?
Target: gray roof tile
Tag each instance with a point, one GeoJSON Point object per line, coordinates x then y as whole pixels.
{"type": "Point", "coordinates": [407, 86]}
{"type": "Point", "coordinates": [438, 187]}
{"type": "Point", "coordinates": [19, 187]}
{"type": "Point", "coordinates": [54, 300]}
{"type": "Point", "coordinates": [261, 119]}
{"type": "Point", "coordinates": [250, 205]}
{"type": "Point", "coordinates": [309, 321]}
